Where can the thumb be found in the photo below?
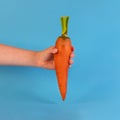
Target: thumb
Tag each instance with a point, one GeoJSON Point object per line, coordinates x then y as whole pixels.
{"type": "Point", "coordinates": [52, 50]}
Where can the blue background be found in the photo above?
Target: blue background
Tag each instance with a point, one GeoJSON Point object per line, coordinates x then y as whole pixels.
{"type": "Point", "coordinates": [29, 93]}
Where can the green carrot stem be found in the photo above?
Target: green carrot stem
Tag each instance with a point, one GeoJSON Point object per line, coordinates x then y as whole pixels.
{"type": "Point", "coordinates": [64, 23]}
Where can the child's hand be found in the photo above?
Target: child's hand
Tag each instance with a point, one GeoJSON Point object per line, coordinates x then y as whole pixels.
{"type": "Point", "coordinates": [45, 59]}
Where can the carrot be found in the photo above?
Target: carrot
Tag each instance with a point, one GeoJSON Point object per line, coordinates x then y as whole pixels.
{"type": "Point", "coordinates": [61, 58]}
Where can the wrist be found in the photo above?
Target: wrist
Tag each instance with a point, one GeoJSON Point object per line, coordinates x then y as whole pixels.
{"type": "Point", "coordinates": [30, 58]}
{"type": "Point", "coordinates": [36, 59]}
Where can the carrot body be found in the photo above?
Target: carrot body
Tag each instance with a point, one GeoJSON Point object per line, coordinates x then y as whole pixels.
{"type": "Point", "coordinates": [61, 60]}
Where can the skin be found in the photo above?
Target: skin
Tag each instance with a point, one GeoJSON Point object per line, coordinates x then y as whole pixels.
{"type": "Point", "coordinates": [13, 56]}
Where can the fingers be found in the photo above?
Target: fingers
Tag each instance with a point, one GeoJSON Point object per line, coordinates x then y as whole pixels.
{"type": "Point", "coordinates": [71, 57]}
{"type": "Point", "coordinates": [52, 50]}
{"type": "Point", "coordinates": [71, 62]}
{"type": "Point", "coordinates": [72, 48]}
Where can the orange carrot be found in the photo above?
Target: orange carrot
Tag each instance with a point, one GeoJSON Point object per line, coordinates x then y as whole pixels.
{"type": "Point", "coordinates": [61, 58]}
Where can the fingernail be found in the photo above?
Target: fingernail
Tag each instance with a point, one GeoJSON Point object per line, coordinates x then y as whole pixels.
{"type": "Point", "coordinates": [55, 50]}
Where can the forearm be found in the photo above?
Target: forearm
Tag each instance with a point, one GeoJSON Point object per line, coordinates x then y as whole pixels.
{"type": "Point", "coordinates": [16, 56]}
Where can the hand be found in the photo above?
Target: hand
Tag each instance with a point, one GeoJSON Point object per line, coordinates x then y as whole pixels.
{"type": "Point", "coordinates": [45, 58]}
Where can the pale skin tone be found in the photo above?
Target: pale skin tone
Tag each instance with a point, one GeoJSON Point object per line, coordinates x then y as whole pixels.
{"type": "Point", "coordinates": [13, 56]}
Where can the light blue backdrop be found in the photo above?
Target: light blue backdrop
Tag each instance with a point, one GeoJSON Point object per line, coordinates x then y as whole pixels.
{"type": "Point", "coordinates": [29, 93]}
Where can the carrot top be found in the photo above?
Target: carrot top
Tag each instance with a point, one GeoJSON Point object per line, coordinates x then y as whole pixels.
{"type": "Point", "coordinates": [64, 23]}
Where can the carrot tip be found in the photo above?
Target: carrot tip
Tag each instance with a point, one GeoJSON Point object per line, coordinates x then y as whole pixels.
{"type": "Point", "coordinates": [63, 98]}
